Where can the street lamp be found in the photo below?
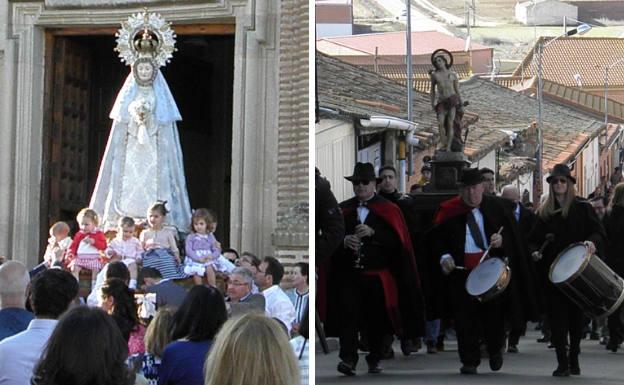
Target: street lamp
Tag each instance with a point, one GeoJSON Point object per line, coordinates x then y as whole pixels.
{"type": "Point", "coordinates": [606, 92]}
{"type": "Point", "coordinates": [580, 30]}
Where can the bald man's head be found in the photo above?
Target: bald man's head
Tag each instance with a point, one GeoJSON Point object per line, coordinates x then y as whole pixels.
{"type": "Point", "coordinates": [14, 280]}
{"type": "Point", "coordinates": [512, 193]}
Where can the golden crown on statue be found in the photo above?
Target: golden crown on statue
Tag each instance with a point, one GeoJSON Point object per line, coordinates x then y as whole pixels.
{"type": "Point", "coordinates": [146, 34]}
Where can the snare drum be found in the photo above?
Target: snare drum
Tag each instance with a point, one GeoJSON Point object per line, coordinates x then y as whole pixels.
{"type": "Point", "coordinates": [488, 279]}
{"type": "Point", "coordinates": [587, 280]}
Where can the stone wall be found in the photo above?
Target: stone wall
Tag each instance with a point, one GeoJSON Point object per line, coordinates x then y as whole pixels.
{"type": "Point", "coordinates": [291, 235]}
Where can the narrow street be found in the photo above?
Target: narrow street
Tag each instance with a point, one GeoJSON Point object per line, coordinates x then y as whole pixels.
{"type": "Point", "coordinates": [532, 365]}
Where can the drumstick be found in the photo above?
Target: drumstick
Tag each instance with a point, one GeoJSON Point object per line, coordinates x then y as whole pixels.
{"type": "Point", "coordinates": [489, 247]}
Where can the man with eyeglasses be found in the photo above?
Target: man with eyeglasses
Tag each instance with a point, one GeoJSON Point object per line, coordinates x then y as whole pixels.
{"type": "Point", "coordinates": [373, 279]}
{"type": "Point", "coordinates": [240, 298]}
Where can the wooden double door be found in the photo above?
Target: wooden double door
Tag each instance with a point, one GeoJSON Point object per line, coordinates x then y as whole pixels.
{"type": "Point", "coordinates": [83, 77]}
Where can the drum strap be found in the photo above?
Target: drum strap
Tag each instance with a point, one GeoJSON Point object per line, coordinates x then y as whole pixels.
{"type": "Point", "coordinates": [475, 232]}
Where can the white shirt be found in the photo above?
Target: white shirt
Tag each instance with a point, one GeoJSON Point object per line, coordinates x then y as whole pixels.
{"type": "Point", "coordinates": [92, 299]}
{"type": "Point", "coordinates": [20, 353]}
{"type": "Point", "coordinates": [278, 305]}
{"type": "Point", "coordinates": [471, 246]}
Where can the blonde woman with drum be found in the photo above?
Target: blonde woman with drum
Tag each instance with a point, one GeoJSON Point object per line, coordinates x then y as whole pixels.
{"type": "Point", "coordinates": [569, 219]}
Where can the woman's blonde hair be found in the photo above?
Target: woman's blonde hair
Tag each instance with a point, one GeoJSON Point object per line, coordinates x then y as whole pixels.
{"type": "Point", "coordinates": [618, 196]}
{"type": "Point", "coordinates": [158, 333]}
{"type": "Point", "coordinates": [261, 344]}
{"type": "Point", "coordinates": [548, 208]}
{"type": "Point", "coordinates": [88, 213]}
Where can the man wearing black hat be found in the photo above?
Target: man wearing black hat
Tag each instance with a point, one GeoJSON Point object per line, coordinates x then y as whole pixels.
{"type": "Point", "coordinates": [373, 277]}
{"type": "Point", "coordinates": [464, 227]}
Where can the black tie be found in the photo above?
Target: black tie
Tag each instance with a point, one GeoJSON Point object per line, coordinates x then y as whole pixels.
{"type": "Point", "coordinates": [474, 231]}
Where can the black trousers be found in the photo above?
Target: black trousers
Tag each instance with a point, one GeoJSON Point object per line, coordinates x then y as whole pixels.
{"type": "Point", "coordinates": [566, 320]}
{"type": "Point", "coordinates": [471, 317]}
{"type": "Point", "coordinates": [515, 332]}
{"type": "Point", "coordinates": [362, 304]}
{"type": "Point", "coordinates": [616, 329]}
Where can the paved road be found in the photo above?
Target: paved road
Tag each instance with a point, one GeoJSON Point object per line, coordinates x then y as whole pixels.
{"type": "Point", "coordinates": [420, 20]}
{"type": "Point", "coordinates": [532, 366]}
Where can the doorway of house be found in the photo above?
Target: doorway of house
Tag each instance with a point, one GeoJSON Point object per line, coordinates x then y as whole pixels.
{"type": "Point", "coordinates": [83, 77]}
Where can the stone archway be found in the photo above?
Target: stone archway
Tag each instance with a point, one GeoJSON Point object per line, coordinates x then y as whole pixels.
{"type": "Point", "coordinates": [254, 123]}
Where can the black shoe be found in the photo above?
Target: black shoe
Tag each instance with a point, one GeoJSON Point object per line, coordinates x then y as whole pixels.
{"type": "Point", "coordinates": [467, 369]}
{"type": "Point", "coordinates": [603, 341]}
{"type": "Point", "coordinates": [431, 348]}
{"type": "Point", "coordinates": [594, 336]}
{"type": "Point", "coordinates": [575, 370]}
{"type": "Point", "coordinates": [612, 345]}
{"type": "Point", "coordinates": [373, 367]}
{"type": "Point", "coordinates": [512, 349]}
{"type": "Point", "coordinates": [416, 345]}
{"type": "Point", "coordinates": [561, 372]}
{"type": "Point", "coordinates": [543, 339]}
{"type": "Point", "coordinates": [406, 347]}
{"type": "Point", "coordinates": [440, 346]}
{"type": "Point", "coordinates": [496, 361]}
{"type": "Point", "coordinates": [550, 345]}
{"type": "Point", "coordinates": [388, 354]}
{"type": "Point", "coordinates": [346, 368]}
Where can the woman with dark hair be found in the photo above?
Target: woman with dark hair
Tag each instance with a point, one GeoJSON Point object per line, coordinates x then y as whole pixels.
{"type": "Point", "coordinates": [118, 301]}
{"type": "Point", "coordinates": [570, 220]}
{"type": "Point", "coordinates": [116, 269]}
{"type": "Point", "coordinates": [86, 348]}
{"type": "Point", "coordinates": [195, 325]}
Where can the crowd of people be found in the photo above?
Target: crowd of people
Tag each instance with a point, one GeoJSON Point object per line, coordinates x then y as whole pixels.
{"type": "Point", "coordinates": [395, 264]}
{"type": "Point", "coordinates": [163, 309]}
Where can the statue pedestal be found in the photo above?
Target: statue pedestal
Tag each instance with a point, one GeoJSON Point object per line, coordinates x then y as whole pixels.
{"type": "Point", "coordinates": [445, 170]}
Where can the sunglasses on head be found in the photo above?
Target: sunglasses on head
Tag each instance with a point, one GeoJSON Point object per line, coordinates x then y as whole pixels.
{"type": "Point", "coordinates": [559, 180]}
{"type": "Point", "coordinates": [360, 181]}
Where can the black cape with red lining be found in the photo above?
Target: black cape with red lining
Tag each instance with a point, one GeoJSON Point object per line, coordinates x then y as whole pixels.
{"type": "Point", "coordinates": [402, 267]}
{"type": "Point", "coordinates": [449, 235]}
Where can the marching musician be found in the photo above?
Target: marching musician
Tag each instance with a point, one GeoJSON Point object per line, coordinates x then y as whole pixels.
{"type": "Point", "coordinates": [464, 228]}
{"type": "Point", "coordinates": [373, 277]}
{"type": "Point", "coordinates": [570, 219]}
{"type": "Point", "coordinates": [614, 226]}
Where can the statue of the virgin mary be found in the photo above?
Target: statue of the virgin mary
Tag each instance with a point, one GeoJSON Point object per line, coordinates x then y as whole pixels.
{"type": "Point", "coordinates": [143, 159]}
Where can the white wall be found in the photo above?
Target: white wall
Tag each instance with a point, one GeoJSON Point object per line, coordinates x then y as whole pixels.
{"type": "Point", "coordinates": [591, 167]}
{"type": "Point", "coordinates": [489, 161]}
{"type": "Point", "coordinates": [546, 13]}
{"type": "Point", "coordinates": [371, 154]}
{"type": "Point", "coordinates": [525, 182]}
{"type": "Point", "coordinates": [330, 30]}
{"type": "Point", "coordinates": [335, 154]}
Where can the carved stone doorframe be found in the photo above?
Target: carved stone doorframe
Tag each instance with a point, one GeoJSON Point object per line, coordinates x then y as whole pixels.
{"type": "Point", "coordinates": [253, 202]}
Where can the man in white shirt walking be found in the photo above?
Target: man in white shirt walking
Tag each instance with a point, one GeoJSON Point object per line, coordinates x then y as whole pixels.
{"type": "Point", "coordinates": [52, 293]}
{"type": "Point", "coordinates": [277, 305]}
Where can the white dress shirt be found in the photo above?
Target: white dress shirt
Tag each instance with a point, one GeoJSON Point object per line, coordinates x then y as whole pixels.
{"type": "Point", "coordinates": [470, 245]}
{"type": "Point", "coordinates": [278, 305]}
{"type": "Point", "coordinates": [20, 353]}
